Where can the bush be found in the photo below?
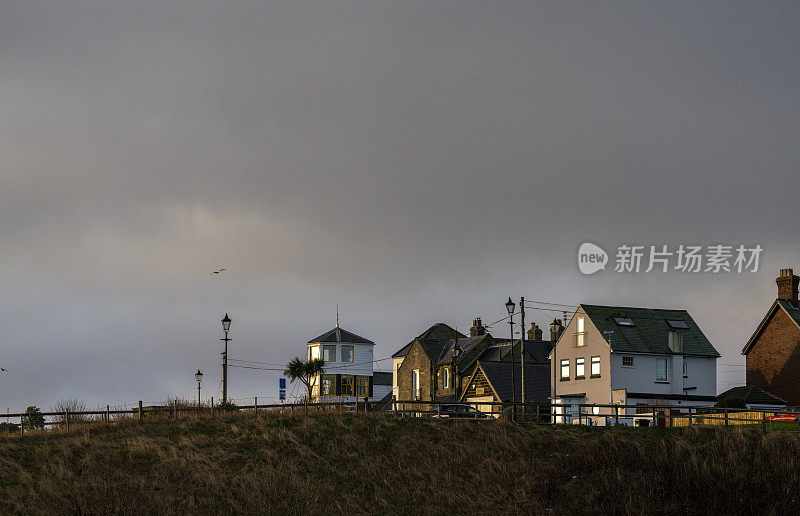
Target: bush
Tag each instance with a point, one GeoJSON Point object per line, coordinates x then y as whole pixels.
{"type": "Point", "coordinates": [73, 405]}
{"type": "Point", "coordinates": [33, 418]}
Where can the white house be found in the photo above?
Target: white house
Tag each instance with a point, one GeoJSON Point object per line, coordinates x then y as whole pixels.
{"type": "Point", "coordinates": [631, 356]}
{"type": "Point", "coordinates": [348, 371]}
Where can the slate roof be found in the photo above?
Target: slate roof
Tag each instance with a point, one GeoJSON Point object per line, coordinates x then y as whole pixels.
{"type": "Point", "coordinates": [787, 307]}
{"type": "Point", "coordinates": [403, 351]}
{"type": "Point", "coordinates": [381, 378]}
{"type": "Point", "coordinates": [539, 349]}
{"type": "Point", "coordinates": [650, 332]}
{"type": "Point", "coordinates": [537, 380]}
{"type": "Point", "coordinates": [467, 345]}
{"type": "Point", "coordinates": [752, 394]}
{"type": "Point", "coordinates": [339, 335]}
{"type": "Point", "coordinates": [433, 341]}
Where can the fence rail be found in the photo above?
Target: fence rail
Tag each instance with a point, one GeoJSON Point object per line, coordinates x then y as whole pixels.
{"type": "Point", "coordinates": [542, 413]}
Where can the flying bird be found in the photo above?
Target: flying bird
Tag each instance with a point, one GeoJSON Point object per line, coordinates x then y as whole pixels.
{"type": "Point", "coordinates": [3, 370]}
{"type": "Point", "coordinates": [217, 272]}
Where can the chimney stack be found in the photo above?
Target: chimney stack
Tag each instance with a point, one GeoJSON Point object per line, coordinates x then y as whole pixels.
{"type": "Point", "coordinates": [535, 333]}
{"type": "Point", "coordinates": [556, 329]}
{"type": "Point", "coordinates": [477, 328]}
{"type": "Point", "coordinates": [787, 286]}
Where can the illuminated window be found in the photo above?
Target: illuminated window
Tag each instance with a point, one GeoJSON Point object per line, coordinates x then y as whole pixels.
{"type": "Point", "coordinates": [362, 386]}
{"type": "Point", "coordinates": [347, 354]}
{"type": "Point", "coordinates": [580, 368]}
{"type": "Point", "coordinates": [445, 378]}
{"type": "Point", "coordinates": [329, 353]}
{"type": "Point", "coordinates": [328, 385]}
{"type": "Point", "coordinates": [565, 369]}
{"type": "Point", "coordinates": [595, 366]}
{"type": "Point", "coordinates": [581, 335]}
{"type": "Point", "coordinates": [347, 385]}
{"type": "Point", "coordinates": [313, 352]}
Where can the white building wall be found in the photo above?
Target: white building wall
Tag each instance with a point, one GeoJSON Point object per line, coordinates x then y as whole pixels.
{"type": "Point", "coordinates": [701, 373]}
{"type": "Point", "coordinates": [362, 364]}
{"type": "Point", "coordinates": [395, 364]}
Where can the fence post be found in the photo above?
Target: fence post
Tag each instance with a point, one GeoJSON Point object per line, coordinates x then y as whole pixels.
{"type": "Point", "coordinates": [616, 415]}
{"type": "Point", "coordinates": [404, 409]}
{"type": "Point", "coordinates": [212, 407]}
{"type": "Point", "coordinates": [537, 414]}
{"type": "Point", "coordinates": [438, 411]}
{"type": "Point", "coordinates": [66, 418]}
{"type": "Point", "coordinates": [21, 426]}
{"type": "Point", "coordinates": [764, 421]}
{"type": "Point", "coordinates": [140, 411]}
{"type": "Point", "coordinates": [108, 415]}
{"type": "Point", "coordinates": [255, 404]}
{"type": "Point", "coordinates": [726, 417]}
{"type": "Point", "coordinates": [690, 416]}
{"type": "Point", "coordinates": [476, 411]}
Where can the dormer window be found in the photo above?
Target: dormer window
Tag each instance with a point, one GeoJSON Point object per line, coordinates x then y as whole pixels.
{"type": "Point", "coordinates": [677, 324]}
{"type": "Point", "coordinates": [624, 321]}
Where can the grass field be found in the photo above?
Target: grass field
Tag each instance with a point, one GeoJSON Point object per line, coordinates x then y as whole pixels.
{"type": "Point", "coordinates": [380, 464]}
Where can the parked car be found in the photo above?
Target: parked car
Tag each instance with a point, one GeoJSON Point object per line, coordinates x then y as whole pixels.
{"type": "Point", "coordinates": [457, 410]}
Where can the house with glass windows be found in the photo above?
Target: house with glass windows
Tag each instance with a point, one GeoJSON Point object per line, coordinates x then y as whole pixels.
{"type": "Point", "coordinates": [348, 373]}
{"type": "Point", "coordinates": [639, 357]}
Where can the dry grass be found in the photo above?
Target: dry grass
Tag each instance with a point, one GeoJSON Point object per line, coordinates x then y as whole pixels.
{"type": "Point", "coordinates": [373, 463]}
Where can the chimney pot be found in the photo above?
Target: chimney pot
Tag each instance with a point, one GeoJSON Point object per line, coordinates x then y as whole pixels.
{"type": "Point", "coordinates": [787, 286]}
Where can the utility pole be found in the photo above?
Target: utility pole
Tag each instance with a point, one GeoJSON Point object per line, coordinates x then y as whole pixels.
{"type": "Point", "coordinates": [522, 347]}
{"type": "Point", "coordinates": [510, 308]}
{"type": "Point", "coordinates": [226, 325]}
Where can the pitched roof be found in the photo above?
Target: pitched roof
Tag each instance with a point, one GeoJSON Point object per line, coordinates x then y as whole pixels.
{"type": "Point", "coordinates": [339, 335]}
{"type": "Point", "coordinates": [403, 351]}
{"type": "Point", "coordinates": [649, 332]}
{"type": "Point", "coordinates": [791, 311]}
{"type": "Point", "coordinates": [752, 394]}
{"type": "Point", "coordinates": [433, 341]}
{"type": "Point", "coordinates": [470, 348]}
{"type": "Point", "coordinates": [441, 331]}
{"type": "Point", "coordinates": [538, 349]}
{"type": "Point", "coordinates": [381, 378]}
{"type": "Point", "coordinates": [537, 380]}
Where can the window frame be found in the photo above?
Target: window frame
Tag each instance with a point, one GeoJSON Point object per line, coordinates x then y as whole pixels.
{"type": "Point", "coordinates": [332, 378]}
{"type": "Point", "coordinates": [677, 324]}
{"type": "Point", "coordinates": [445, 378]}
{"type": "Point", "coordinates": [632, 364]}
{"type": "Point", "coordinates": [366, 386]}
{"type": "Point", "coordinates": [595, 360]}
{"type": "Point", "coordinates": [352, 380]}
{"type": "Point", "coordinates": [685, 368]}
{"type": "Point", "coordinates": [564, 363]}
{"type": "Point", "coordinates": [625, 322]}
{"type": "Point", "coordinates": [665, 361]}
{"type": "Point", "coordinates": [580, 365]}
{"type": "Point", "coordinates": [311, 350]}
{"type": "Point", "coordinates": [352, 354]}
{"type": "Point", "coordinates": [580, 333]}
{"type": "Point", "coordinates": [326, 347]}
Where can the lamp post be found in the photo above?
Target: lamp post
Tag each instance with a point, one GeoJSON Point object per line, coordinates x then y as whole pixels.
{"type": "Point", "coordinates": [454, 372]}
{"type": "Point", "coordinates": [510, 307]}
{"type": "Point", "coordinates": [199, 377]}
{"type": "Point", "coordinates": [226, 325]}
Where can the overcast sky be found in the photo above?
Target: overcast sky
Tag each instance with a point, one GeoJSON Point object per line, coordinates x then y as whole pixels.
{"type": "Point", "coordinates": [410, 162]}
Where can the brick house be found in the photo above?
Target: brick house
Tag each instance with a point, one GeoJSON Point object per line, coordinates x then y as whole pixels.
{"type": "Point", "coordinates": [773, 351]}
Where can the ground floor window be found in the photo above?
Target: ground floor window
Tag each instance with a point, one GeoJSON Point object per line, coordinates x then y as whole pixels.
{"type": "Point", "coordinates": [328, 385]}
{"type": "Point", "coordinates": [362, 386]}
{"type": "Point", "coordinates": [347, 385]}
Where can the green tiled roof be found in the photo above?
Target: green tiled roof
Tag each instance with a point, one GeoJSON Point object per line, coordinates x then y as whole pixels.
{"type": "Point", "coordinates": [650, 331]}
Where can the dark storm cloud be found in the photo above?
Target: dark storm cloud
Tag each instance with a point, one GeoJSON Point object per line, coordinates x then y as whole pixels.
{"type": "Point", "coordinates": [412, 162]}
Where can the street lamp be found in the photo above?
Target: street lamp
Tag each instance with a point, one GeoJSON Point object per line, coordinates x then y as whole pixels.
{"type": "Point", "coordinates": [226, 325]}
{"type": "Point", "coordinates": [454, 372]}
{"type": "Point", "coordinates": [510, 306]}
{"type": "Point", "coordinates": [199, 377]}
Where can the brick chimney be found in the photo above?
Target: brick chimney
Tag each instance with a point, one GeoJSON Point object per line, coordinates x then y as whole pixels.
{"type": "Point", "coordinates": [477, 328]}
{"type": "Point", "coordinates": [787, 285]}
{"type": "Point", "coordinates": [556, 329]}
{"type": "Point", "coordinates": [535, 333]}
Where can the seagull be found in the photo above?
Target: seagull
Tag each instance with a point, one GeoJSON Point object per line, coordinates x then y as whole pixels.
{"type": "Point", "coordinates": [3, 370]}
{"type": "Point", "coordinates": [217, 272]}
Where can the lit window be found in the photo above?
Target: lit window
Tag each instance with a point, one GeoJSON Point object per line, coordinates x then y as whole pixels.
{"type": "Point", "coordinates": [624, 321]}
{"type": "Point", "coordinates": [313, 352]}
{"type": "Point", "coordinates": [329, 353]}
{"type": "Point", "coordinates": [662, 369]}
{"type": "Point", "coordinates": [595, 366]}
{"type": "Point", "coordinates": [328, 385]}
{"type": "Point", "coordinates": [580, 368]}
{"type": "Point", "coordinates": [415, 383]}
{"type": "Point", "coordinates": [581, 335]}
{"type": "Point", "coordinates": [362, 386]}
{"type": "Point", "coordinates": [565, 369]}
{"type": "Point", "coordinates": [347, 385]}
{"type": "Point", "coordinates": [627, 361]}
{"type": "Point", "coordinates": [677, 324]}
{"type": "Point", "coordinates": [446, 378]}
{"type": "Point", "coordinates": [347, 353]}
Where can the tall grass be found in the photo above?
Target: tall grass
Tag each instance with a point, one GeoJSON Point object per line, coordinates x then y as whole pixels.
{"type": "Point", "coordinates": [329, 462]}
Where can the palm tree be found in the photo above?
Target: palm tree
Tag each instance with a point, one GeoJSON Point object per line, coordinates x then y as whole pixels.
{"type": "Point", "coordinates": [306, 372]}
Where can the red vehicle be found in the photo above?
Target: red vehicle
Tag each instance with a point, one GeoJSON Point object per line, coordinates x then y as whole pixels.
{"type": "Point", "coordinates": [787, 418]}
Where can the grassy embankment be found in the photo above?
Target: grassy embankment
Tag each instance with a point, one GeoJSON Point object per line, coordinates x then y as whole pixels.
{"type": "Point", "coordinates": [376, 463]}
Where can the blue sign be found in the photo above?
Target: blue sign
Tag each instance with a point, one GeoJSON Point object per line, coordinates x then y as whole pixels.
{"type": "Point", "coordinates": [282, 384]}
{"type": "Point", "coordinates": [282, 394]}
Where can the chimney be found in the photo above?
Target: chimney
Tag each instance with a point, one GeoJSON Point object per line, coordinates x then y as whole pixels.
{"type": "Point", "coordinates": [556, 329]}
{"type": "Point", "coordinates": [477, 328]}
{"type": "Point", "coordinates": [535, 333]}
{"type": "Point", "coordinates": [787, 286]}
